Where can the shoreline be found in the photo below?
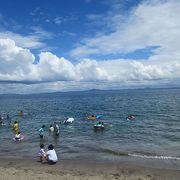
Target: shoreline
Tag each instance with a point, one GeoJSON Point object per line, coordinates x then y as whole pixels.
{"type": "Point", "coordinates": [18, 169]}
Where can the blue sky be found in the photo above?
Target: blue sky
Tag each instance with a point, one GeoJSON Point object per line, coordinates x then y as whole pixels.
{"type": "Point", "coordinates": [63, 45]}
{"type": "Point", "coordinates": [66, 22]}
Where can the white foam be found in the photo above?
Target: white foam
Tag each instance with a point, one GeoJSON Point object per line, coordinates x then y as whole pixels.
{"type": "Point", "coordinates": [155, 157]}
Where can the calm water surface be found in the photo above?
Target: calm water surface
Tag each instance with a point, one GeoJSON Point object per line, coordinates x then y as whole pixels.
{"type": "Point", "coordinates": [154, 134]}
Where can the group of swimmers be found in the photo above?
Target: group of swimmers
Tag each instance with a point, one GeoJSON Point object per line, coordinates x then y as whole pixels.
{"type": "Point", "coordinates": [53, 129]}
{"type": "Point", "coordinates": [14, 125]}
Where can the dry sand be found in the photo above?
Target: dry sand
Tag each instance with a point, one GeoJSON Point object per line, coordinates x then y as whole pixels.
{"type": "Point", "coordinates": [11, 169]}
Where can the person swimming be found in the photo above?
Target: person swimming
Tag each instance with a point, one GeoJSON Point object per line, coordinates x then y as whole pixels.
{"type": "Point", "coordinates": [130, 117]}
{"type": "Point", "coordinates": [99, 126]}
{"type": "Point", "coordinates": [21, 113]}
{"type": "Point", "coordinates": [18, 136]}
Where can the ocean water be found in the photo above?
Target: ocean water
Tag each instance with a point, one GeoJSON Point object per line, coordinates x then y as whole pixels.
{"type": "Point", "coordinates": [153, 135]}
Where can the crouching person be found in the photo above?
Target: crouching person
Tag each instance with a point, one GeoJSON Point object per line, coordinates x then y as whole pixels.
{"type": "Point", "coordinates": [41, 153]}
{"type": "Point", "coordinates": [51, 155]}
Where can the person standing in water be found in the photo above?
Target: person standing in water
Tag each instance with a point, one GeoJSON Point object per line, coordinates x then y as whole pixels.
{"type": "Point", "coordinates": [56, 129]}
{"type": "Point", "coordinates": [7, 117]}
{"type": "Point", "coordinates": [15, 127]}
{"type": "Point", "coordinates": [1, 120]}
{"type": "Point", "coordinates": [51, 130]}
{"type": "Point", "coordinates": [41, 131]}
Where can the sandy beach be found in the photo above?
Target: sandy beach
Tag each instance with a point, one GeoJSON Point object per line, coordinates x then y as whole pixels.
{"type": "Point", "coordinates": [80, 170]}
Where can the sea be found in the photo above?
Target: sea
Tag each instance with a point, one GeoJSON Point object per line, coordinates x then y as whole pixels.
{"type": "Point", "coordinates": [151, 139]}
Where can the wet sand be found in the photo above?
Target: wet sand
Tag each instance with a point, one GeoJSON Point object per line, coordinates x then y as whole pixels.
{"type": "Point", "coordinates": [22, 169]}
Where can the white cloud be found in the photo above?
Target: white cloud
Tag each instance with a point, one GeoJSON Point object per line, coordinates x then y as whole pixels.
{"type": "Point", "coordinates": [41, 33]}
{"type": "Point", "coordinates": [31, 41]}
{"type": "Point", "coordinates": [15, 61]}
{"type": "Point", "coordinates": [52, 68]}
{"type": "Point", "coordinates": [17, 65]}
{"type": "Point", "coordinates": [58, 20]}
{"type": "Point", "coordinates": [31, 37]}
{"type": "Point", "coordinates": [90, 70]}
{"type": "Point", "coordinates": [34, 40]}
{"type": "Point", "coordinates": [152, 23]}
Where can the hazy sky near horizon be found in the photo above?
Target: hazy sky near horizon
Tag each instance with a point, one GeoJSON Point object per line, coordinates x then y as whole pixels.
{"type": "Point", "coordinates": [67, 45]}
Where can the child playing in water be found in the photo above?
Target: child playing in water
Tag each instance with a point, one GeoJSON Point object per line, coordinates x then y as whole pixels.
{"type": "Point", "coordinates": [41, 131]}
{"type": "Point", "coordinates": [16, 127]}
{"type": "Point", "coordinates": [18, 136]}
{"type": "Point", "coordinates": [41, 153]}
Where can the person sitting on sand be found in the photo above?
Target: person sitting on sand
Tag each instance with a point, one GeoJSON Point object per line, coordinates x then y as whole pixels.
{"type": "Point", "coordinates": [51, 155]}
{"type": "Point", "coordinates": [41, 153]}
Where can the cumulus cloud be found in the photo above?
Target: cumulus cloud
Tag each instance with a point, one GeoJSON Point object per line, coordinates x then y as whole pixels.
{"type": "Point", "coordinates": [17, 64]}
{"type": "Point", "coordinates": [15, 61]}
{"type": "Point", "coordinates": [52, 68]}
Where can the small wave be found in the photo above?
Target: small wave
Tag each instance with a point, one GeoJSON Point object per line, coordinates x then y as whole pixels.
{"type": "Point", "coordinates": [118, 153]}
{"type": "Point", "coordinates": [114, 152]}
{"type": "Point", "coordinates": [155, 157]}
{"type": "Point", "coordinates": [107, 151]}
